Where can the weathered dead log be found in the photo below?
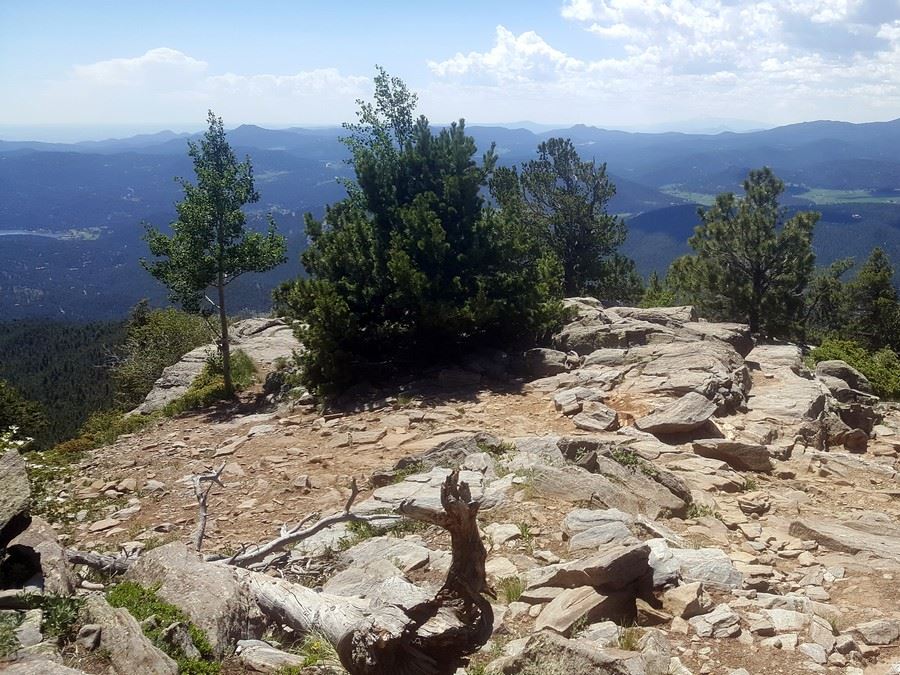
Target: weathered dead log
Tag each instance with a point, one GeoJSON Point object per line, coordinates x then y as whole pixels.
{"type": "Point", "coordinates": [108, 564]}
{"type": "Point", "coordinates": [290, 536]}
{"type": "Point", "coordinates": [430, 638]}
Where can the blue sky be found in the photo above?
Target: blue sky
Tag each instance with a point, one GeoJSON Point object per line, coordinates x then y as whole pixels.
{"type": "Point", "coordinates": [614, 63]}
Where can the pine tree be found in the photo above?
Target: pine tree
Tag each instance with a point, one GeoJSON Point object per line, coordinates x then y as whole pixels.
{"type": "Point", "coordinates": [750, 264]}
{"type": "Point", "coordinates": [874, 307]}
{"type": "Point", "coordinates": [565, 199]}
{"type": "Point", "coordinates": [412, 266]}
{"type": "Point", "coordinates": [210, 246]}
{"type": "Point", "coordinates": [657, 293]}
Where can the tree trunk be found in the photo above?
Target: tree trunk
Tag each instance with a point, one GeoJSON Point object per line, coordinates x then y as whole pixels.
{"type": "Point", "coordinates": [428, 638]}
{"type": "Point", "coordinates": [224, 342]}
{"type": "Point", "coordinates": [406, 637]}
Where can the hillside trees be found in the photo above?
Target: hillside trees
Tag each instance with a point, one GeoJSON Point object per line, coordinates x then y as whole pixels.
{"type": "Point", "coordinates": [750, 264]}
{"type": "Point", "coordinates": [154, 340]}
{"type": "Point", "coordinates": [873, 306]}
{"type": "Point", "coordinates": [210, 246]}
{"type": "Point", "coordinates": [16, 411]}
{"type": "Point", "coordinates": [564, 200]}
{"type": "Point", "coordinates": [413, 265]}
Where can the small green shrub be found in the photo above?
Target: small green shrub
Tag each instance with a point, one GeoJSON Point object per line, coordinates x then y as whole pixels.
{"type": "Point", "coordinates": [526, 533]}
{"type": "Point", "coordinates": [316, 650]}
{"type": "Point", "coordinates": [628, 638]}
{"type": "Point", "coordinates": [497, 450]}
{"type": "Point", "coordinates": [696, 511]}
{"type": "Point", "coordinates": [105, 426]}
{"type": "Point", "coordinates": [209, 386]}
{"type": "Point", "coordinates": [59, 614]}
{"type": "Point", "coordinates": [882, 368]}
{"type": "Point", "coordinates": [511, 589]}
{"type": "Point", "coordinates": [631, 460]}
{"type": "Point", "coordinates": [9, 621]}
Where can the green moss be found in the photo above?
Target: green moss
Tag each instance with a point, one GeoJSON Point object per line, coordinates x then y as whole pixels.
{"type": "Point", "coordinates": [143, 603]}
{"type": "Point", "coordinates": [630, 459]}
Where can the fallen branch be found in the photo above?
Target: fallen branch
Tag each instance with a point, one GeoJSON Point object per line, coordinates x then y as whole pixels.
{"type": "Point", "coordinates": [429, 638]}
{"type": "Point", "coordinates": [102, 563]}
{"type": "Point", "coordinates": [211, 478]}
{"type": "Point", "coordinates": [288, 537]}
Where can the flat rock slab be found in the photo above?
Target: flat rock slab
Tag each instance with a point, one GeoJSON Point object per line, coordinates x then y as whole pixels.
{"type": "Point", "coordinates": [39, 666]}
{"type": "Point", "coordinates": [425, 489]}
{"type": "Point", "coordinates": [579, 520]}
{"type": "Point", "coordinates": [573, 657]}
{"type": "Point", "coordinates": [712, 566]}
{"type": "Point", "coordinates": [600, 535]}
{"type": "Point", "coordinates": [261, 657]}
{"type": "Point", "coordinates": [15, 493]}
{"type": "Point", "coordinates": [851, 537]}
{"type": "Point", "coordinates": [405, 554]}
{"type": "Point", "coordinates": [579, 605]}
{"type": "Point", "coordinates": [737, 454]}
{"type": "Point", "coordinates": [722, 622]}
{"type": "Point", "coordinates": [613, 568]}
{"type": "Point", "coordinates": [685, 414]}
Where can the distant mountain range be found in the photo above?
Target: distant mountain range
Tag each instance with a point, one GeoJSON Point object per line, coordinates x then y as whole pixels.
{"type": "Point", "coordinates": [92, 197]}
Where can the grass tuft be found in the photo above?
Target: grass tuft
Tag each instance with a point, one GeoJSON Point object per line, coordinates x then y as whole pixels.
{"type": "Point", "coordinates": [511, 589]}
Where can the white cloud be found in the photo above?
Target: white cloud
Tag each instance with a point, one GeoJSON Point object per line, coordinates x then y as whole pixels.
{"type": "Point", "coordinates": [169, 85]}
{"type": "Point", "coordinates": [520, 58]}
{"type": "Point", "coordinates": [156, 65]}
{"type": "Point", "coordinates": [768, 60]}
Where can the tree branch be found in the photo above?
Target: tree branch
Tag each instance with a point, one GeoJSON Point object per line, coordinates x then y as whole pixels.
{"type": "Point", "coordinates": [211, 478]}
{"type": "Point", "coordinates": [254, 554]}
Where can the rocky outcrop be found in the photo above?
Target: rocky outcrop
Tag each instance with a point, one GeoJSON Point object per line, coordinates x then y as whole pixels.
{"type": "Point", "coordinates": [215, 599]}
{"type": "Point", "coordinates": [38, 551]}
{"type": "Point", "coordinates": [263, 340]}
{"type": "Point", "coordinates": [689, 412]}
{"type": "Point", "coordinates": [15, 493]}
{"type": "Point", "coordinates": [130, 651]}
{"type": "Point", "coordinates": [737, 454]}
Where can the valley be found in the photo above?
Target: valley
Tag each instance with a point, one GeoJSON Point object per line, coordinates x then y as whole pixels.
{"type": "Point", "coordinates": [91, 199]}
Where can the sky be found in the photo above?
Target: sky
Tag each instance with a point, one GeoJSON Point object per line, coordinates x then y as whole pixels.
{"type": "Point", "coordinates": [634, 64]}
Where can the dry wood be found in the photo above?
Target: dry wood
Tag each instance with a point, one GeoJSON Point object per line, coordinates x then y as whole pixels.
{"type": "Point", "coordinates": [433, 637]}
{"type": "Point", "coordinates": [102, 563]}
{"type": "Point", "coordinates": [430, 638]}
{"type": "Point", "coordinates": [210, 478]}
{"type": "Point", "coordinates": [290, 536]}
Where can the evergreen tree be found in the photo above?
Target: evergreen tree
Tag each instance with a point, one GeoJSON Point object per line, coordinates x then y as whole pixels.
{"type": "Point", "coordinates": [210, 246]}
{"type": "Point", "coordinates": [17, 411]}
{"type": "Point", "coordinates": [826, 304]}
{"type": "Point", "coordinates": [657, 293]}
{"type": "Point", "coordinates": [874, 312]}
{"type": "Point", "coordinates": [565, 199]}
{"type": "Point", "coordinates": [750, 264]}
{"type": "Point", "coordinates": [412, 266]}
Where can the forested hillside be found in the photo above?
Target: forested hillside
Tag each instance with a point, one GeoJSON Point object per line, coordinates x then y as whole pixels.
{"type": "Point", "coordinates": [61, 365]}
{"type": "Point", "coordinates": [82, 204]}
